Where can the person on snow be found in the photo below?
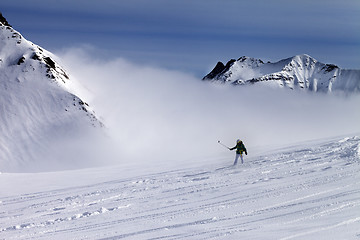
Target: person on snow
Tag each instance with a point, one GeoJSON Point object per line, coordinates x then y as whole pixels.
{"type": "Point", "coordinates": [240, 149]}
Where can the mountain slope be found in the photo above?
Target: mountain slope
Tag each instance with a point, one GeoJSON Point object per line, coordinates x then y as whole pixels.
{"type": "Point", "coordinates": [298, 72]}
{"type": "Point", "coordinates": [39, 105]}
{"type": "Point", "coordinates": [303, 192]}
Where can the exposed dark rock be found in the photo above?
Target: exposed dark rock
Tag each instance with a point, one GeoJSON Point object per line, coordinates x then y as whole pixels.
{"type": "Point", "coordinates": [229, 64]}
{"type": "Point", "coordinates": [217, 69]}
{"type": "Point", "coordinates": [244, 58]}
{"type": "Point", "coordinates": [330, 67]}
{"type": "Point", "coordinates": [4, 21]}
{"type": "Point", "coordinates": [49, 62]}
{"type": "Point", "coordinates": [16, 35]}
{"type": "Point", "coordinates": [254, 80]}
{"type": "Point", "coordinates": [220, 68]}
{"type": "Point", "coordinates": [65, 75]}
{"type": "Point", "coordinates": [224, 69]}
{"type": "Point", "coordinates": [50, 75]}
{"type": "Point", "coordinates": [52, 66]}
{"type": "Point", "coordinates": [83, 103]}
{"type": "Point", "coordinates": [21, 60]}
{"type": "Point", "coordinates": [35, 56]}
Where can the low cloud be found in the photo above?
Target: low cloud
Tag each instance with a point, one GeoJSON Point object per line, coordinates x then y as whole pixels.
{"type": "Point", "coordinates": [155, 115]}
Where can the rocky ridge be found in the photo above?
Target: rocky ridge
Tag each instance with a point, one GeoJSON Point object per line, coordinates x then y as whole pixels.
{"type": "Point", "coordinates": [298, 72]}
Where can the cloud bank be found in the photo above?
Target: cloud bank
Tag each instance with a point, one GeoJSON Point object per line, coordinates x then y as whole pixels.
{"type": "Point", "coordinates": [155, 115]}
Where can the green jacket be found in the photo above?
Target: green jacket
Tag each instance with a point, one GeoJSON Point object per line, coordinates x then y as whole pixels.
{"type": "Point", "coordinates": [240, 148]}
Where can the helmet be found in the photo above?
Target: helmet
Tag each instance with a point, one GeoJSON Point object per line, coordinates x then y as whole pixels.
{"type": "Point", "coordinates": [237, 141]}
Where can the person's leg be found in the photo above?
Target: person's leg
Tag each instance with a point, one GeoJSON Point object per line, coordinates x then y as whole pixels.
{"type": "Point", "coordinates": [236, 158]}
{"type": "Point", "coordinates": [242, 159]}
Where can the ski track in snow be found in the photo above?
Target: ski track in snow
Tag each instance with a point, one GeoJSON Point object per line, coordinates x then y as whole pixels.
{"type": "Point", "coordinates": [308, 193]}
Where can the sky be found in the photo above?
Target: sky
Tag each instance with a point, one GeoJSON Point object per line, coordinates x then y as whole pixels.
{"type": "Point", "coordinates": [193, 35]}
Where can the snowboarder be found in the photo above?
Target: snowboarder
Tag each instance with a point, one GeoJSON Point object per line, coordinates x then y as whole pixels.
{"type": "Point", "coordinates": [240, 149]}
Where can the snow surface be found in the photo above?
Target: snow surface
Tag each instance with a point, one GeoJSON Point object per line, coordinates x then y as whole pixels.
{"type": "Point", "coordinates": [311, 191]}
{"type": "Point", "coordinates": [40, 109]}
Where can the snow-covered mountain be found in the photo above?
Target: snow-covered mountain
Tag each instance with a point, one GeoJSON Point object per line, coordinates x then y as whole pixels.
{"type": "Point", "coordinates": [298, 72]}
{"type": "Point", "coordinates": [39, 104]}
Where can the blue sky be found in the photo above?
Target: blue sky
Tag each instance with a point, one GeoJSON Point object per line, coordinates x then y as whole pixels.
{"type": "Point", "coordinates": [192, 35]}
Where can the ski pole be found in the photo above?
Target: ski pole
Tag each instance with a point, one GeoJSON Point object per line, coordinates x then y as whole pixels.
{"type": "Point", "coordinates": [223, 145]}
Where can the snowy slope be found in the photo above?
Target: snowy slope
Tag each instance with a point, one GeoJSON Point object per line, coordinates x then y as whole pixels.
{"type": "Point", "coordinates": [39, 105]}
{"type": "Point", "coordinates": [302, 192]}
{"type": "Point", "coordinates": [298, 72]}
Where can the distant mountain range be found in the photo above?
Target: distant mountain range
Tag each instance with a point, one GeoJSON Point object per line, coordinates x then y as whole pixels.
{"type": "Point", "coordinates": [39, 104]}
{"type": "Point", "coordinates": [298, 72]}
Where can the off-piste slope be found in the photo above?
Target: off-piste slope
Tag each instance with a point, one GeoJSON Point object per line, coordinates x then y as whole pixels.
{"type": "Point", "coordinates": [40, 113]}
{"type": "Point", "coordinates": [298, 72]}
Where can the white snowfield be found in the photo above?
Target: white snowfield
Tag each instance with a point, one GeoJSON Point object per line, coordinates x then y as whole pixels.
{"type": "Point", "coordinates": [303, 192]}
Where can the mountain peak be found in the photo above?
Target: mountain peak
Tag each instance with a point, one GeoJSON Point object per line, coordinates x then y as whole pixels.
{"type": "Point", "coordinates": [4, 21]}
{"type": "Point", "coordinates": [230, 69]}
{"type": "Point", "coordinates": [16, 50]}
{"type": "Point", "coordinates": [23, 61]}
{"type": "Point", "coordinates": [250, 60]}
{"type": "Point", "coordinates": [40, 102]}
{"type": "Point", "coordinates": [297, 72]}
{"type": "Point", "coordinates": [304, 58]}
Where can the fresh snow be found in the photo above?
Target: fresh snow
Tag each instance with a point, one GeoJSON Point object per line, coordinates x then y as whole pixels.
{"type": "Point", "coordinates": [311, 191]}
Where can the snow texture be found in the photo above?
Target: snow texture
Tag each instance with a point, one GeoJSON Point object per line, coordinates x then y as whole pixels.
{"type": "Point", "coordinates": [302, 192]}
{"type": "Point", "coordinates": [39, 105]}
{"type": "Point", "coordinates": [298, 72]}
